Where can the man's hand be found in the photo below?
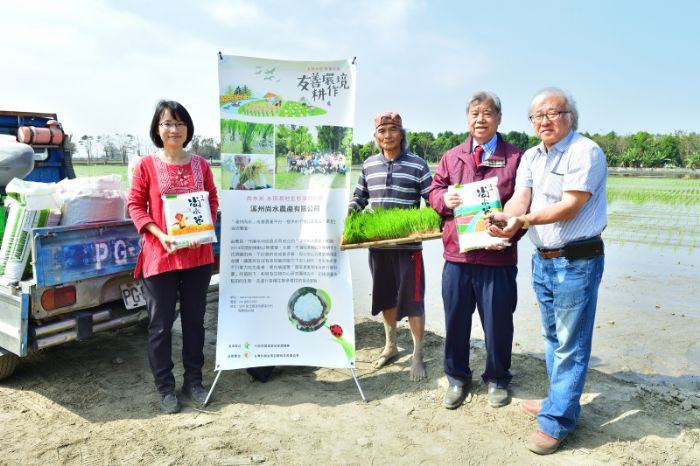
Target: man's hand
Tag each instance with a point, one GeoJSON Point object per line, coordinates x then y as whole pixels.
{"type": "Point", "coordinates": [498, 219]}
{"type": "Point", "coordinates": [452, 200]}
{"type": "Point", "coordinates": [495, 225]}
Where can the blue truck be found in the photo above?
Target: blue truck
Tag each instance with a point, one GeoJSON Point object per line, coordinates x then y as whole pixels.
{"type": "Point", "coordinates": [81, 279]}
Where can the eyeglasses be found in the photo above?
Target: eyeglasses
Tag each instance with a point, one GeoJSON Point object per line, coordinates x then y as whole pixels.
{"type": "Point", "coordinates": [170, 125]}
{"type": "Point", "coordinates": [552, 115]}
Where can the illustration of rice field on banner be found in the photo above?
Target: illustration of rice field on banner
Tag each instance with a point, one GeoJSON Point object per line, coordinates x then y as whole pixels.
{"type": "Point", "coordinates": [285, 124]}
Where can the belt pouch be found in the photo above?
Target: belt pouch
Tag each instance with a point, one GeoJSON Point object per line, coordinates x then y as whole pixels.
{"type": "Point", "coordinates": [591, 247]}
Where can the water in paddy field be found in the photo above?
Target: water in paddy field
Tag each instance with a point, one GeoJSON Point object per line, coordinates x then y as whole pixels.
{"type": "Point", "coordinates": [648, 317]}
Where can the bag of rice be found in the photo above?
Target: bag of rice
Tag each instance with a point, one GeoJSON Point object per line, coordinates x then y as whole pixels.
{"type": "Point", "coordinates": [188, 217]}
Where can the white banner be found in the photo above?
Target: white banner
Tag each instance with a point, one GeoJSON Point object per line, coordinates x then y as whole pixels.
{"type": "Point", "coordinates": [285, 292]}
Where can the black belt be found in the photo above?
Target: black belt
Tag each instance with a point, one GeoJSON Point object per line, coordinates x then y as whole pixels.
{"type": "Point", "coordinates": [582, 249]}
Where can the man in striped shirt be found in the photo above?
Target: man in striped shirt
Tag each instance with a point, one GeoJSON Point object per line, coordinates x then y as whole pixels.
{"type": "Point", "coordinates": [560, 194]}
{"type": "Point", "coordinates": [395, 178]}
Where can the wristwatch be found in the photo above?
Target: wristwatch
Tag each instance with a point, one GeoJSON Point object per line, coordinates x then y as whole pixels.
{"type": "Point", "coordinates": [526, 222]}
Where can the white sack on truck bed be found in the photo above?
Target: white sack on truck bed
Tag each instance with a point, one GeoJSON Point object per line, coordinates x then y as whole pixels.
{"type": "Point", "coordinates": [92, 199]}
{"type": "Point", "coordinates": [30, 205]}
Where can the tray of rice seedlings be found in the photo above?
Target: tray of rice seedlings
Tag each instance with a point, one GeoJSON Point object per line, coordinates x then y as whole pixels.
{"type": "Point", "coordinates": [387, 227]}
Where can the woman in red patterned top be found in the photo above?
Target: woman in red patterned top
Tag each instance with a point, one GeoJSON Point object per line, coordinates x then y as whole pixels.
{"type": "Point", "coordinates": [169, 273]}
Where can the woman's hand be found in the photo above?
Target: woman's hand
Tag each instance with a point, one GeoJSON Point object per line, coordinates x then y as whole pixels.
{"type": "Point", "coordinates": [452, 200]}
{"type": "Point", "coordinates": [169, 243]}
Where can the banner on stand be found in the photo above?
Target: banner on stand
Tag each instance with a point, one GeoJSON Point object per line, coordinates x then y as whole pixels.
{"type": "Point", "coordinates": [285, 294]}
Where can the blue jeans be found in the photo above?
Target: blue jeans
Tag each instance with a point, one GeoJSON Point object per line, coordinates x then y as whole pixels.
{"type": "Point", "coordinates": [567, 293]}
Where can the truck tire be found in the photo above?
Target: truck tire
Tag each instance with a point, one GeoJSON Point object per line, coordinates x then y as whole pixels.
{"type": "Point", "coordinates": [8, 362]}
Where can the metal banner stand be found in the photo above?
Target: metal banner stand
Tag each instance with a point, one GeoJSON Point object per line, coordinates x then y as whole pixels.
{"type": "Point", "coordinates": [357, 382]}
{"type": "Point", "coordinates": [211, 390]}
{"type": "Point", "coordinates": [218, 374]}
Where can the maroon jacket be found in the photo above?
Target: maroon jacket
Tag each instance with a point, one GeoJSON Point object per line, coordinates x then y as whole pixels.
{"type": "Point", "coordinates": [457, 167]}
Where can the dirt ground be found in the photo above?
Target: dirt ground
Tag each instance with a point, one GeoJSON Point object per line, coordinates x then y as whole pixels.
{"type": "Point", "coordinates": [94, 403]}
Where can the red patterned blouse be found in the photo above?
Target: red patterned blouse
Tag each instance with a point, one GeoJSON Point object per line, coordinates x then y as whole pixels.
{"type": "Point", "coordinates": [153, 178]}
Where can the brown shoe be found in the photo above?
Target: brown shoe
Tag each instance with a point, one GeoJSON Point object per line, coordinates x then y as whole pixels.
{"type": "Point", "coordinates": [531, 407]}
{"type": "Point", "coordinates": [543, 444]}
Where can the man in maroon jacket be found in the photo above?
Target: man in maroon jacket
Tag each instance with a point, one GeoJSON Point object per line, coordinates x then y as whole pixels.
{"type": "Point", "coordinates": [482, 279]}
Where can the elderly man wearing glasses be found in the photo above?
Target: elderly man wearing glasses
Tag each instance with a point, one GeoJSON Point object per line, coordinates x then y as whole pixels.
{"type": "Point", "coordinates": [395, 178]}
{"type": "Point", "coordinates": [560, 196]}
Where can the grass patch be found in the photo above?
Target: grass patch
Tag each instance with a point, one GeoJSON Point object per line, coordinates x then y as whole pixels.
{"type": "Point", "coordinates": [361, 227]}
{"type": "Point", "coordinates": [82, 171]}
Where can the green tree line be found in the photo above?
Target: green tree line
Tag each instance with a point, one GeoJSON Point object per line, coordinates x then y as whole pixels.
{"type": "Point", "coordinates": [117, 148]}
{"type": "Point", "coordinates": [639, 150]}
{"type": "Point", "coordinates": [299, 140]}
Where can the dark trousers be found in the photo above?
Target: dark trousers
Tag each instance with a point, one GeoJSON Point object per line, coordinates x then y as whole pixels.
{"type": "Point", "coordinates": [493, 291]}
{"type": "Point", "coordinates": [162, 292]}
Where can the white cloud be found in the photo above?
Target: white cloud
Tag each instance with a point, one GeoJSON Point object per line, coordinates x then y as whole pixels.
{"type": "Point", "coordinates": [389, 16]}
{"type": "Point", "coordinates": [236, 13]}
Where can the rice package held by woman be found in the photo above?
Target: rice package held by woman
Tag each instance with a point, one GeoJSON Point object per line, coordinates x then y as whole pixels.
{"type": "Point", "coordinates": [188, 218]}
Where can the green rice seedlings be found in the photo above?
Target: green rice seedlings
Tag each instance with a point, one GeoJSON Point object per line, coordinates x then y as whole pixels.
{"type": "Point", "coordinates": [254, 172]}
{"type": "Point", "coordinates": [693, 237]}
{"type": "Point", "coordinates": [643, 190]}
{"type": "Point", "coordinates": [679, 237]}
{"type": "Point", "coordinates": [381, 224]}
{"type": "Point", "coordinates": [669, 236]}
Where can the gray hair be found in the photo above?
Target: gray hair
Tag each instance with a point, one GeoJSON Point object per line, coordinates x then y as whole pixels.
{"type": "Point", "coordinates": [404, 140]}
{"type": "Point", "coordinates": [485, 96]}
{"type": "Point", "coordinates": [557, 92]}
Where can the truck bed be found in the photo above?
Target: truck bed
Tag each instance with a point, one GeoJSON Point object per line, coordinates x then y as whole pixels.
{"type": "Point", "coordinates": [93, 258]}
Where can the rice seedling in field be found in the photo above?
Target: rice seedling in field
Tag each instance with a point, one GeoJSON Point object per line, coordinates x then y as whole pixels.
{"type": "Point", "coordinates": [653, 212]}
{"type": "Point", "coordinates": [362, 227]}
{"type": "Point", "coordinates": [677, 191]}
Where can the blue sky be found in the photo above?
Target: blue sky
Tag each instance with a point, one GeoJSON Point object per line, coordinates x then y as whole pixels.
{"type": "Point", "coordinates": [102, 65]}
